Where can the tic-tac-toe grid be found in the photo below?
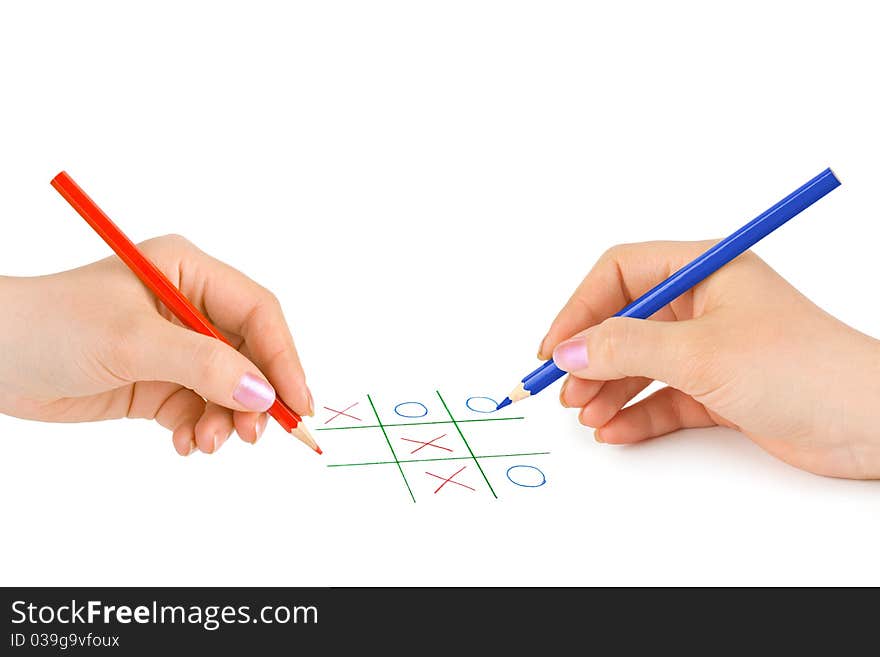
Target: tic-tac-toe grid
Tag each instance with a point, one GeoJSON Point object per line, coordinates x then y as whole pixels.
{"type": "Point", "coordinates": [435, 442]}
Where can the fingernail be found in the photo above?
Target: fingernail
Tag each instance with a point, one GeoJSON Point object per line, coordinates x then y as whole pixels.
{"type": "Point", "coordinates": [541, 348]}
{"type": "Point", "coordinates": [254, 393]}
{"type": "Point", "coordinates": [311, 403]}
{"type": "Point", "coordinates": [192, 447]}
{"type": "Point", "coordinates": [571, 355]}
{"type": "Point", "coordinates": [260, 427]}
{"type": "Point", "coordinates": [219, 439]}
{"type": "Point", "coordinates": [598, 437]}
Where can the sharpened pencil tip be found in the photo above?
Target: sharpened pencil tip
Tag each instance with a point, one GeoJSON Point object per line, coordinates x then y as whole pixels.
{"type": "Point", "coordinates": [318, 449]}
{"type": "Point", "coordinates": [301, 432]}
{"type": "Point", "coordinates": [505, 402]}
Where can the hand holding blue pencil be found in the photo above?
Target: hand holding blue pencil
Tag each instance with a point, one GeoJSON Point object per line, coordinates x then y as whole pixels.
{"type": "Point", "coordinates": [696, 271]}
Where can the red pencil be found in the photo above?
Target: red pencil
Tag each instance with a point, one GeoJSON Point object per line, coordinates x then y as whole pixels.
{"type": "Point", "coordinates": [164, 289]}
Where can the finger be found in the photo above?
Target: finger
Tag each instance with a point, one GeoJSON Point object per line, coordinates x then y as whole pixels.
{"type": "Point", "coordinates": [270, 343]}
{"type": "Point", "coordinates": [161, 351]}
{"type": "Point", "coordinates": [673, 352]}
{"type": "Point", "coordinates": [608, 402]}
{"type": "Point", "coordinates": [180, 412]}
{"type": "Point", "coordinates": [307, 409]}
{"type": "Point", "coordinates": [577, 393]}
{"type": "Point", "coordinates": [665, 411]}
{"type": "Point", "coordinates": [250, 426]}
{"type": "Point", "coordinates": [622, 274]}
{"type": "Point", "coordinates": [238, 305]}
{"type": "Point", "coordinates": [213, 428]}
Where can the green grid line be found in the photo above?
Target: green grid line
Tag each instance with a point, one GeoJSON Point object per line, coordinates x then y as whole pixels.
{"type": "Point", "coordinates": [416, 424]}
{"type": "Point", "coordinates": [439, 458]}
{"type": "Point", "coordinates": [466, 444]}
{"type": "Point", "coordinates": [393, 453]}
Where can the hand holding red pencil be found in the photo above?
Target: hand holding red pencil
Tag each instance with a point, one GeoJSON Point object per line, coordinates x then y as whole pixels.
{"type": "Point", "coordinates": [94, 343]}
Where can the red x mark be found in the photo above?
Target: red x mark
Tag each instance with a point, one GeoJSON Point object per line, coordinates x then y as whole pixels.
{"type": "Point", "coordinates": [425, 444]}
{"type": "Point", "coordinates": [448, 480]}
{"type": "Point", "coordinates": [342, 412]}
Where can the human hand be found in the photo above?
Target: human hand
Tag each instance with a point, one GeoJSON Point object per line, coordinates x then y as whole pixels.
{"type": "Point", "coordinates": [742, 349]}
{"type": "Point", "coordinates": [94, 344]}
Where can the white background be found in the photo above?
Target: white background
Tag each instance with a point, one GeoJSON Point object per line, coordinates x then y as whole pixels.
{"type": "Point", "coordinates": [423, 185]}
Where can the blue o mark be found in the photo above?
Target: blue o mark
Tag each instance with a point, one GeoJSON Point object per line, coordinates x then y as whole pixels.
{"type": "Point", "coordinates": [482, 408]}
{"type": "Point", "coordinates": [534, 479]}
{"type": "Point", "coordinates": [422, 414]}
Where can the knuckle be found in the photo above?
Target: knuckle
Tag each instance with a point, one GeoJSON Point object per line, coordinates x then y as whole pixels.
{"type": "Point", "coordinates": [176, 240]}
{"type": "Point", "coordinates": [270, 298]}
{"type": "Point", "coordinates": [625, 250]}
{"type": "Point", "coordinates": [751, 258]}
{"type": "Point", "coordinates": [699, 361]}
{"type": "Point", "coordinates": [615, 338]}
{"type": "Point", "coordinates": [208, 359]}
{"type": "Point", "coordinates": [121, 355]}
{"type": "Point", "coordinates": [167, 245]}
{"type": "Point", "coordinates": [580, 306]}
{"type": "Point", "coordinates": [267, 311]}
{"type": "Point", "coordinates": [616, 252]}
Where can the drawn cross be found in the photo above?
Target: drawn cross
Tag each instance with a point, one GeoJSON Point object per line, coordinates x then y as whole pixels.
{"type": "Point", "coordinates": [449, 480]}
{"type": "Point", "coordinates": [426, 444]}
{"type": "Point", "coordinates": [342, 412]}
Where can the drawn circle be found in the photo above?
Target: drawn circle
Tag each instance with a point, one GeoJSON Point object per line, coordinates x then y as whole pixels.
{"type": "Point", "coordinates": [423, 414]}
{"type": "Point", "coordinates": [536, 478]}
{"type": "Point", "coordinates": [493, 408]}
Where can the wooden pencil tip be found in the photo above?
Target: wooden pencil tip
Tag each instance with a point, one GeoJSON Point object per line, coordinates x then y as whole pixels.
{"type": "Point", "coordinates": [301, 432]}
{"type": "Point", "coordinates": [318, 449]}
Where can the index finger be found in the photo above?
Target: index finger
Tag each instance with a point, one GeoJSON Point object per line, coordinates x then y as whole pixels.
{"type": "Point", "coordinates": [622, 274]}
{"type": "Point", "coordinates": [239, 306]}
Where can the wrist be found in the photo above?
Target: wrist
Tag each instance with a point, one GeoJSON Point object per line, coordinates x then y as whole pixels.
{"type": "Point", "coordinates": [862, 412]}
{"type": "Point", "coordinates": [10, 317]}
{"type": "Point", "coordinates": [19, 329]}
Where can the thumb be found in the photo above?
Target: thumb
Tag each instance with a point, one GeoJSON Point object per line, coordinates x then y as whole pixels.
{"type": "Point", "coordinates": [201, 363]}
{"type": "Point", "coordinates": [622, 346]}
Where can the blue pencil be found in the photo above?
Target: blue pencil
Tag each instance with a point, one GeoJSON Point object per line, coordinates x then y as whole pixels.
{"type": "Point", "coordinates": [691, 274]}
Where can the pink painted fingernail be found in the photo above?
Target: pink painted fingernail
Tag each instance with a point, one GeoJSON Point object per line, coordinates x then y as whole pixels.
{"type": "Point", "coordinates": [254, 393]}
{"type": "Point", "coordinates": [571, 355]}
